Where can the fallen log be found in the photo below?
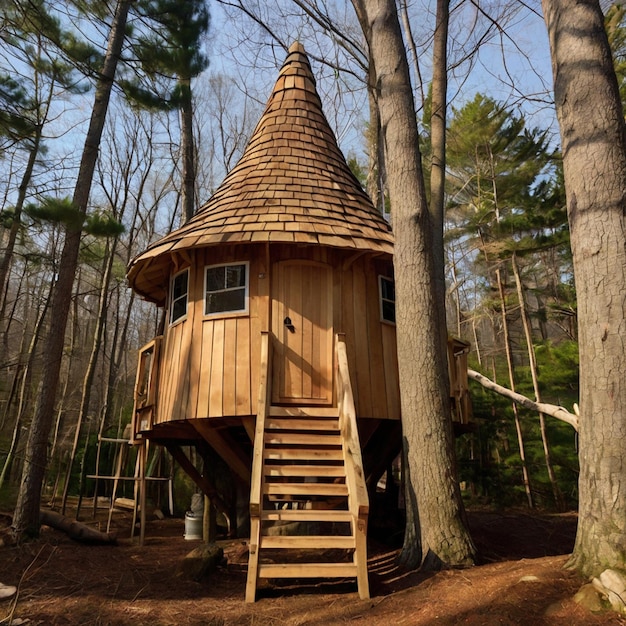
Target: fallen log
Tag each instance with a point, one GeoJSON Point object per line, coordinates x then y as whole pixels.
{"type": "Point", "coordinates": [76, 530]}
{"type": "Point", "coordinates": [553, 410]}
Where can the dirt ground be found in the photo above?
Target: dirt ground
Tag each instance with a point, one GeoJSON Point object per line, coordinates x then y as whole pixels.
{"type": "Point", "coordinates": [521, 581]}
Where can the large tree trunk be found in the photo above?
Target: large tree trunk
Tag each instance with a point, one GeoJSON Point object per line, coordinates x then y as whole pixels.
{"type": "Point", "coordinates": [435, 535]}
{"type": "Point", "coordinates": [26, 520]}
{"type": "Point", "coordinates": [96, 344]}
{"type": "Point", "coordinates": [593, 137]}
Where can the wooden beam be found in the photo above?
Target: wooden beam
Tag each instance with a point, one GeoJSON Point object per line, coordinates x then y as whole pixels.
{"type": "Point", "coordinates": [207, 487]}
{"type": "Point", "coordinates": [226, 447]}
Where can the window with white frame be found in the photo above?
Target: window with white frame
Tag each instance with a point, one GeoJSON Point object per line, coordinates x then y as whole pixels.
{"type": "Point", "coordinates": [387, 299]}
{"type": "Point", "coordinates": [179, 294]}
{"type": "Point", "coordinates": [226, 289]}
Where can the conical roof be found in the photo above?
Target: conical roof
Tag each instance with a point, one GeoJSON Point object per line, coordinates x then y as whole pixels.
{"type": "Point", "coordinates": [291, 185]}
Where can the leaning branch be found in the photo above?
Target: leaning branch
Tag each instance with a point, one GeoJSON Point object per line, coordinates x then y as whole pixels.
{"type": "Point", "coordinates": [549, 409]}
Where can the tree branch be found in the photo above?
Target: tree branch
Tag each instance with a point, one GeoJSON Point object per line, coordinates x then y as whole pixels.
{"type": "Point", "coordinates": [549, 409]}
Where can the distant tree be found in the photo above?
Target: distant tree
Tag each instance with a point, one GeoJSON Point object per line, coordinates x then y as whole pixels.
{"type": "Point", "coordinates": [169, 51]}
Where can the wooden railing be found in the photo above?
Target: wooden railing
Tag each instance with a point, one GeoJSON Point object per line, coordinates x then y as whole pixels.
{"type": "Point", "coordinates": [358, 499]}
{"type": "Point", "coordinates": [256, 481]}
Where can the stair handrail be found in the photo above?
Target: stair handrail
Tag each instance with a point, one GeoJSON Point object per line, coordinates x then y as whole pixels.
{"type": "Point", "coordinates": [256, 478]}
{"type": "Point", "coordinates": [263, 403]}
{"type": "Point", "coordinates": [359, 499]}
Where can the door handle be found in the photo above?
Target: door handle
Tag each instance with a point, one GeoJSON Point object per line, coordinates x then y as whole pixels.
{"type": "Point", "coordinates": [289, 325]}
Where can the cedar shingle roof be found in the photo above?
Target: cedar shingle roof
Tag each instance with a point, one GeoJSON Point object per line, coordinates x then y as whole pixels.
{"type": "Point", "coordinates": [292, 184]}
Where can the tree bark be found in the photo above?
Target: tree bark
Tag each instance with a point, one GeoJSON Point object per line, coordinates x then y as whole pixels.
{"type": "Point", "coordinates": [593, 138]}
{"type": "Point", "coordinates": [435, 535]}
{"type": "Point", "coordinates": [26, 520]}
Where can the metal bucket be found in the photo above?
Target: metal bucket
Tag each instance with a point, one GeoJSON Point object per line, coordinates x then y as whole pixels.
{"type": "Point", "coordinates": [193, 527]}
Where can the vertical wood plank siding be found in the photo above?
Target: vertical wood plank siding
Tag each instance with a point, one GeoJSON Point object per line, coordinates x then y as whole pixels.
{"type": "Point", "coordinates": [210, 365]}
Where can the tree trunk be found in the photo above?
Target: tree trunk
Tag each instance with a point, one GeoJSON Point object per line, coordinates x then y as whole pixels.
{"type": "Point", "coordinates": [532, 362]}
{"type": "Point", "coordinates": [187, 148]}
{"type": "Point", "coordinates": [91, 365]}
{"type": "Point", "coordinates": [26, 520]}
{"type": "Point", "coordinates": [438, 146]}
{"type": "Point", "coordinates": [435, 535]}
{"type": "Point", "coordinates": [76, 530]}
{"type": "Point", "coordinates": [593, 138]}
{"type": "Point", "coordinates": [509, 362]}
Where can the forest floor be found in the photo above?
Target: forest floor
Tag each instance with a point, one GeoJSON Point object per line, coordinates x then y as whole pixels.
{"type": "Point", "coordinates": [522, 581]}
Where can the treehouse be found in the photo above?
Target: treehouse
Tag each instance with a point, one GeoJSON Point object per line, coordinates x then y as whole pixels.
{"type": "Point", "coordinates": [278, 348]}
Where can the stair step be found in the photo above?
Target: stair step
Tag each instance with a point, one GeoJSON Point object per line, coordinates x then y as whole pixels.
{"type": "Point", "coordinates": [303, 411]}
{"type": "Point", "coordinates": [302, 454]}
{"type": "Point", "coordinates": [310, 542]}
{"type": "Point", "coordinates": [307, 570]}
{"type": "Point", "coordinates": [331, 471]}
{"type": "Point", "coordinates": [303, 439]}
{"type": "Point", "coordinates": [306, 515]}
{"type": "Point", "coordinates": [305, 489]}
{"type": "Point", "coordinates": [292, 423]}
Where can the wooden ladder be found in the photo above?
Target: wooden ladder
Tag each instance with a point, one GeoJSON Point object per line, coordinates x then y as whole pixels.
{"type": "Point", "coordinates": [305, 482]}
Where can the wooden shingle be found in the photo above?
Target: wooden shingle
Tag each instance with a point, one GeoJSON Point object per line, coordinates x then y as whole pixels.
{"type": "Point", "coordinates": [292, 184]}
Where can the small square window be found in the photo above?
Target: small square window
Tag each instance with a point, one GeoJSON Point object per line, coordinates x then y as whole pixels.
{"type": "Point", "coordinates": [179, 295]}
{"type": "Point", "coordinates": [387, 299]}
{"type": "Point", "coordinates": [226, 289]}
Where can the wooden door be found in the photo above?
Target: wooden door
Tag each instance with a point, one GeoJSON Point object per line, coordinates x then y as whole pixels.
{"type": "Point", "coordinates": [302, 327]}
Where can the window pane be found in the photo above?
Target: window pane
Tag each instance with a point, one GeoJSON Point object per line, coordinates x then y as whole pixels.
{"type": "Point", "coordinates": [179, 296]}
{"type": "Point", "coordinates": [215, 278]}
{"type": "Point", "coordinates": [179, 288]}
{"type": "Point", "coordinates": [235, 276]}
{"type": "Point", "coordinates": [219, 302]}
{"type": "Point", "coordinates": [179, 309]}
{"type": "Point", "coordinates": [389, 311]}
{"type": "Point", "coordinates": [387, 289]}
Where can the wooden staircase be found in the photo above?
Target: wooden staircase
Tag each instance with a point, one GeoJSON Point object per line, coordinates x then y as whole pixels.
{"type": "Point", "coordinates": [307, 480]}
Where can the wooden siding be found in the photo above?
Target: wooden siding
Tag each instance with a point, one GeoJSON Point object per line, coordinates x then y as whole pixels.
{"type": "Point", "coordinates": [371, 343]}
{"type": "Point", "coordinates": [210, 365]}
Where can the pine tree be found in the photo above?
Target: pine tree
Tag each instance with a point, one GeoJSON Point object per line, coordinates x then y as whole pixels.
{"type": "Point", "coordinates": [169, 55]}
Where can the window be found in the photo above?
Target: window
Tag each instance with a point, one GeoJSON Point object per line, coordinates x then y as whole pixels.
{"type": "Point", "coordinates": [387, 299]}
{"type": "Point", "coordinates": [226, 289]}
{"type": "Point", "coordinates": [179, 294]}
